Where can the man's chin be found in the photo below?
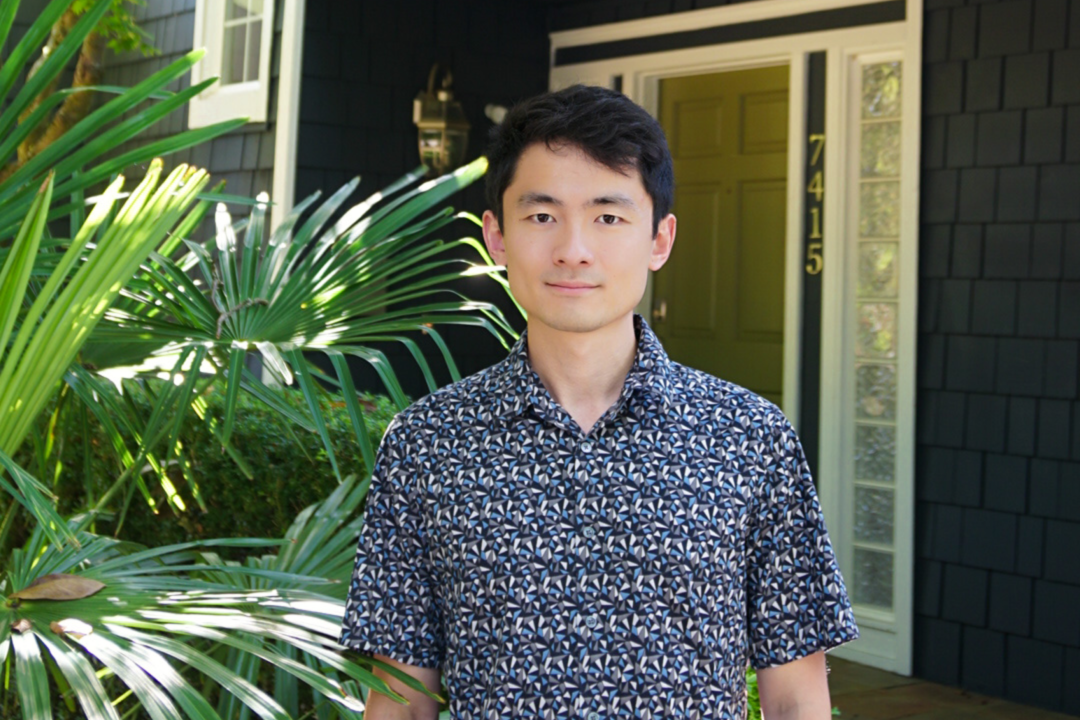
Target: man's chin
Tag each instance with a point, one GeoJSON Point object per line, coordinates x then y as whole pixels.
{"type": "Point", "coordinates": [577, 321]}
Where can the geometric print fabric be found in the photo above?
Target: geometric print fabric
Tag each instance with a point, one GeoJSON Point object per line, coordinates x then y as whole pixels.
{"type": "Point", "coordinates": [633, 571]}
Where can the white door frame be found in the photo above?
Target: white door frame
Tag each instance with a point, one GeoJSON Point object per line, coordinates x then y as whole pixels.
{"type": "Point", "coordinates": [287, 122]}
{"type": "Point", "coordinates": [886, 638]}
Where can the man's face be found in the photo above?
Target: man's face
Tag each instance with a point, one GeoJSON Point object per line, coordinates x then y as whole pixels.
{"type": "Point", "coordinates": [576, 239]}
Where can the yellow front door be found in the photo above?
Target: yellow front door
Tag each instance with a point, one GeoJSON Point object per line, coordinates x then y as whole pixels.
{"type": "Point", "coordinates": [718, 304]}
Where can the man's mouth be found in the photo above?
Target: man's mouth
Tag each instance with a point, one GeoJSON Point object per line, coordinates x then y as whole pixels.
{"type": "Point", "coordinates": [572, 285]}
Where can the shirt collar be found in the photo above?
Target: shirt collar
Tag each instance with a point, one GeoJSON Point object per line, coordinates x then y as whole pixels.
{"type": "Point", "coordinates": [517, 386]}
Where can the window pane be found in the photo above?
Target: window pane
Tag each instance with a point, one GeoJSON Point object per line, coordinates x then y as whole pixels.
{"type": "Point", "coordinates": [875, 453]}
{"type": "Point", "coordinates": [254, 40]}
{"type": "Point", "coordinates": [875, 391]}
{"type": "Point", "coordinates": [881, 90]}
{"type": "Point", "coordinates": [874, 515]}
{"type": "Point", "coordinates": [876, 334]}
{"type": "Point", "coordinates": [255, 7]}
{"type": "Point", "coordinates": [232, 70]}
{"type": "Point", "coordinates": [879, 209]}
{"type": "Point", "coordinates": [236, 9]}
{"type": "Point", "coordinates": [873, 578]}
{"type": "Point", "coordinates": [878, 277]}
{"type": "Point", "coordinates": [879, 155]}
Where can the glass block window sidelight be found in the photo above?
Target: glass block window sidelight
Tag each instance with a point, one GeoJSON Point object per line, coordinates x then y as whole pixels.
{"type": "Point", "coordinates": [876, 314]}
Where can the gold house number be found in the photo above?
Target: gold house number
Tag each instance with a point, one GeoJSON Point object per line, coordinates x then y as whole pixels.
{"type": "Point", "coordinates": [816, 188]}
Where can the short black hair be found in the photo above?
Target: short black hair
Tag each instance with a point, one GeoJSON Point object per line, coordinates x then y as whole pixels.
{"type": "Point", "coordinates": [606, 125]}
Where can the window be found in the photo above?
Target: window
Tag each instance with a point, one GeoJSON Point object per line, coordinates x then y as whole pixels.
{"type": "Point", "coordinates": [874, 151]}
{"type": "Point", "coordinates": [237, 36]}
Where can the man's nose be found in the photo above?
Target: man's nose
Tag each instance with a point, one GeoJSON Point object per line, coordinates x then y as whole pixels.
{"type": "Point", "coordinates": [573, 248]}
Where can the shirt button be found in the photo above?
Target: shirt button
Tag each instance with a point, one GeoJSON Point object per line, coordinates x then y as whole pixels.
{"type": "Point", "coordinates": [586, 447]}
{"type": "Point", "coordinates": [589, 531]}
{"type": "Point", "coordinates": [593, 716]}
{"type": "Point", "coordinates": [591, 621]}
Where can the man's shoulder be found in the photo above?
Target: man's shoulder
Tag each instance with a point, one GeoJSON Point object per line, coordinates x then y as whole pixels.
{"type": "Point", "coordinates": [697, 392]}
{"type": "Point", "coordinates": [472, 399]}
{"type": "Point", "coordinates": [690, 385]}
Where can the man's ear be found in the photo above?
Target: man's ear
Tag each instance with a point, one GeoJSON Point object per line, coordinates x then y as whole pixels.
{"type": "Point", "coordinates": [663, 242]}
{"type": "Point", "coordinates": [493, 238]}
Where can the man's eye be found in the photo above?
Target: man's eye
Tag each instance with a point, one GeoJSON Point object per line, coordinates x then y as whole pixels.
{"type": "Point", "coordinates": [609, 219]}
{"type": "Point", "coordinates": [543, 218]}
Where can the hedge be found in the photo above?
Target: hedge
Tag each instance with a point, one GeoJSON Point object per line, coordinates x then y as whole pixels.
{"type": "Point", "coordinates": [290, 471]}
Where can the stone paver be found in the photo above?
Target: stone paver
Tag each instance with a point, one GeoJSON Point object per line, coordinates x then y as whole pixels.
{"type": "Point", "coordinates": [864, 693]}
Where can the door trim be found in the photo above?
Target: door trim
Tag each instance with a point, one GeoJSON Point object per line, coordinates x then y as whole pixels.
{"type": "Point", "coordinates": [287, 122]}
{"type": "Point", "coordinates": [696, 19]}
{"type": "Point", "coordinates": [639, 76]}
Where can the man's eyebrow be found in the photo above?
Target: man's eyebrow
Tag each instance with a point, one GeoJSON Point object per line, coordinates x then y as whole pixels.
{"type": "Point", "coordinates": [616, 199]}
{"type": "Point", "coordinates": [537, 198]}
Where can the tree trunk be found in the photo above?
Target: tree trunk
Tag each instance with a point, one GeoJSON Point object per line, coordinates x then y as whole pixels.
{"type": "Point", "coordinates": [88, 71]}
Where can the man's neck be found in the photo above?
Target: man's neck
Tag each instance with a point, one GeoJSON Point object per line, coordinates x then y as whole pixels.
{"type": "Point", "coordinates": [584, 372]}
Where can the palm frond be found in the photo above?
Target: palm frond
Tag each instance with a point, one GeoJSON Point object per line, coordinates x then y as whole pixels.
{"type": "Point", "coordinates": [158, 607]}
{"type": "Point", "coordinates": [374, 275]}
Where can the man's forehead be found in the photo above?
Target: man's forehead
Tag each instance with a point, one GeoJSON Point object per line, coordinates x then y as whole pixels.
{"type": "Point", "coordinates": [571, 150]}
{"type": "Point", "coordinates": [627, 186]}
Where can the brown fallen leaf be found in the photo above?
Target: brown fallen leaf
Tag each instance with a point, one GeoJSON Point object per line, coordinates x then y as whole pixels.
{"type": "Point", "coordinates": [21, 625]}
{"type": "Point", "coordinates": [59, 587]}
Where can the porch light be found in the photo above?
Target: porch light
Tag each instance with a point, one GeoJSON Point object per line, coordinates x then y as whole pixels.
{"type": "Point", "coordinates": [443, 128]}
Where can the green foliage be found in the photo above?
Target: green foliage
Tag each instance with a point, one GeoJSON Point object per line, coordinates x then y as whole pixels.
{"type": "Point", "coordinates": [291, 468]}
{"type": "Point", "coordinates": [97, 627]}
{"type": "Point", "coordinates": [753, 702]}
{"type": "Point", "coordinates": [119, 26]}
{"type": "Point", "coordinates": [91, 152]}
{"type": "Point", "coordinates": [311, 287]}
{"type": "Point", "coordinates": [103, 615]}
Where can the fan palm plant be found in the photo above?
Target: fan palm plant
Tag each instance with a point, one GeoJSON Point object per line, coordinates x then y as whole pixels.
{"type": "Point", "coordinates": [39, 343]}
{"type": "Point", "coordinates": [105, 613]}
{"type": "Point", "coordinates": [88, 608]}
{"type": "Point", "coordinates": [53, 608]}
{"type": "Point", "coordinates": [72, 164]}
{"type": "Point", "coordinates": [88, 615]}
{"type": "Point", "coordinates": [316, 286]}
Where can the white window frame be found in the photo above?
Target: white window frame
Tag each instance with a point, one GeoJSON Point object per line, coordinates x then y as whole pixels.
{"type": "Point", "coordinates": [886, 637]}
{"type": "Point", "coordinates": [219, 102]}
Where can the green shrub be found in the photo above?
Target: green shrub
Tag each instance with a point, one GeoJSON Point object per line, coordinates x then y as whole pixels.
{"type": "Point", "coordinates": [289, 466]}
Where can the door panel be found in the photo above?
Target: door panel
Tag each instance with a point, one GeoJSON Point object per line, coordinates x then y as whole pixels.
{"type": "Point", "coordinates": [722, 291]}
{"type": "Point", "coordinates": [694, 280]}
{"type": "Point", "coordinates": [764, 123]}
{"type": "Point", "coordinates": [760, 238]}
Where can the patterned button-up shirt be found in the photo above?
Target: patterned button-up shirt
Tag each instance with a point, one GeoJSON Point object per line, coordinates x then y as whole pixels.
{"type": "Point", "coordinates": [631, 571]}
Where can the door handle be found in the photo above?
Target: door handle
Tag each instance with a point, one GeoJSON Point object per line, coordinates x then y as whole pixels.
{"type": "Point", "coordinates": [659, 313]}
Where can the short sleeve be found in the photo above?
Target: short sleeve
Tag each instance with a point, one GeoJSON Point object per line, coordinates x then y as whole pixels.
{"type": "Point", "coordinates": [796, 600]}
{"type": "Point", "coordinates": [391, 608]}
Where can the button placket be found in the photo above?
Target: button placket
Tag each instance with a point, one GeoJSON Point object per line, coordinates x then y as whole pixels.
{"type": "Point", "coordinates": [583, 482]}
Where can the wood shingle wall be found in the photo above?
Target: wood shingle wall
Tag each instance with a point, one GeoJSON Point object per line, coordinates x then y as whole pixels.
{"type": "Point", "coordinates": [998, 518]}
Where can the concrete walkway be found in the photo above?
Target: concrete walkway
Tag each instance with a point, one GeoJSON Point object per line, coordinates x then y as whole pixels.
{"type": "Point", "coordinates": [864, 693]}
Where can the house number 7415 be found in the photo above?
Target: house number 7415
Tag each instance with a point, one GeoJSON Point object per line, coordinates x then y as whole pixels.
{"type": "Point", "coordinates": [816, 189]}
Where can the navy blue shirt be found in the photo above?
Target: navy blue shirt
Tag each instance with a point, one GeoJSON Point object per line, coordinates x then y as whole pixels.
{"type": "Point", "coordinates": [633, 571]}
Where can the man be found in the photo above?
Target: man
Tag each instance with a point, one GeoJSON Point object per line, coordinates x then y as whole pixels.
{"type": "Point", "coordinates": [589, 529]}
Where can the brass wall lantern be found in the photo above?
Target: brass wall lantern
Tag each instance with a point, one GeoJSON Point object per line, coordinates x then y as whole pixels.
{"type": "Point", "coordinates": [443, 128]}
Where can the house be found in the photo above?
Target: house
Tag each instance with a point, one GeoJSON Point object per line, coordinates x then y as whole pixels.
{"type": "Point", "coordinates": [880, 230]}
